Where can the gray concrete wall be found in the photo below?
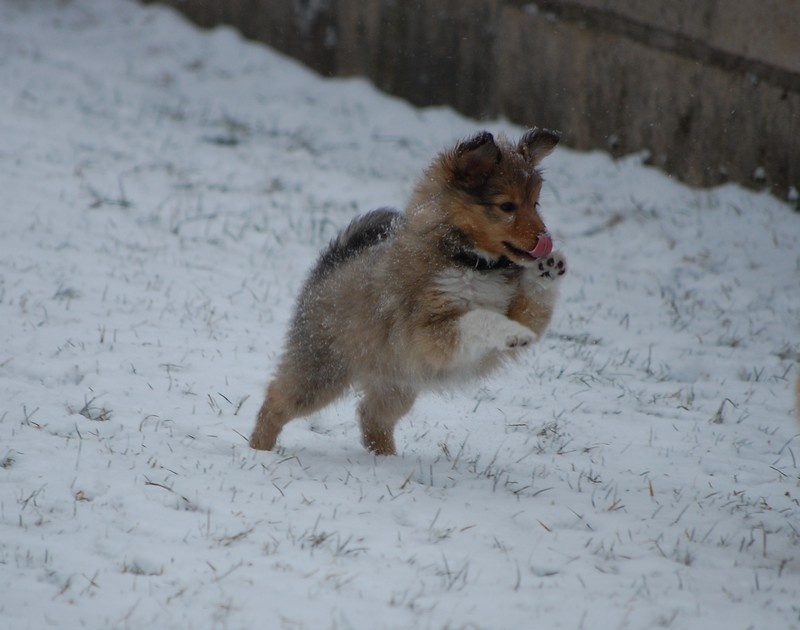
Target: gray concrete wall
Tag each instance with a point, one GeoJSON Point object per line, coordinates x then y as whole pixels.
{"type": "Point", "coordinates": [710, 87]}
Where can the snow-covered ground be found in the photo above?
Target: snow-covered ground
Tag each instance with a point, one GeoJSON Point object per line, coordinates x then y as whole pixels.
{"type": "Point", "coordinates": [164, 190]}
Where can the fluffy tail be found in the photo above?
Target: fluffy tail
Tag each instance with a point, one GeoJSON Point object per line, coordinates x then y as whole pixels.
{"type": "Point", "coordinates": [364, 232]}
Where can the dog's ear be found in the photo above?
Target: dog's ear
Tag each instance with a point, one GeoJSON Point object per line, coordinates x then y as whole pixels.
{"type": "Point", "coordinates": [537, 144]}
{"type": "Point", "coordinates": [475, 159]}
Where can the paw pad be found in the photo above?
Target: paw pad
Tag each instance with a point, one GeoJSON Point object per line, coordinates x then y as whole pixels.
{"type": "Point", "coordinates": [552, 267]}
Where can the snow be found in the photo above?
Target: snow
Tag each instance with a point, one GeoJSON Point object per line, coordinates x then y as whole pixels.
{"type": "Point", "coordinates": [163, 192]}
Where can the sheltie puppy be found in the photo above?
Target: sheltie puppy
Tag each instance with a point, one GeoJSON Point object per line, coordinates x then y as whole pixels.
{"type": "Point", "coordinates": [443, 293]}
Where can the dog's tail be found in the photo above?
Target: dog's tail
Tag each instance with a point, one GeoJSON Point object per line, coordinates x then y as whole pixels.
{"type": "Point", "coordinates": [364, 232]}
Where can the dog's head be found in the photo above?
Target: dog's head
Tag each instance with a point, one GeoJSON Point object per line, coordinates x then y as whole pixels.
{"type": "Point", "coordinates": [488, 189]}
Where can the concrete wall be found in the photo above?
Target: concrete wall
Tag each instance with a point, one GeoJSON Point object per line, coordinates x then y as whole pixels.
{"type": "Point", "coordinates": [710, 87]}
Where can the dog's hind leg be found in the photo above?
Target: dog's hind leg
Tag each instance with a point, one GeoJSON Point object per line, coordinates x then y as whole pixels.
{"type": "Point", "coordinates": [378, 413]}
{"type": "Point", "coordinates": [289, 398]}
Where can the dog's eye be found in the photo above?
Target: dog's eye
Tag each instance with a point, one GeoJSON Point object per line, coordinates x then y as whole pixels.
{"type": "Point", "coordinates": [507, 206]}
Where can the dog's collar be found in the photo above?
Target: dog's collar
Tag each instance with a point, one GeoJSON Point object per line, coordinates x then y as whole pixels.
{"type": "Point", "coordinates": [471, 260]}
{"type": "Point", "coordinates": [457, 246]}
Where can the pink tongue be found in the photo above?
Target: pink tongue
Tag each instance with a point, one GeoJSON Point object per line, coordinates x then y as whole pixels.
{"type": "Point", "coordinates": [543, 246]}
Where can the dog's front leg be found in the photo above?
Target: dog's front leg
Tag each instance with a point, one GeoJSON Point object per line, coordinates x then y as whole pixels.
{"type": "Point", "coordinates": [482, 331]}
{"type": "Point", "coordinates": [533, 305]}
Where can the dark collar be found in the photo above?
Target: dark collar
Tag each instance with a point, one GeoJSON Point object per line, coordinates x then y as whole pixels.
{"type": "Point", "coordinates": [471, 260]}
{"type": "Point", "coordinates": [458, 248]}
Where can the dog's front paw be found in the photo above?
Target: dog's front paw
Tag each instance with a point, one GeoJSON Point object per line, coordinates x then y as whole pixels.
{"type": "Point", "coordinates": [506, 334]}
{"type": "Point", "coordinates": [551, 268]}
{"type": "Point", "coordinates": [520, 340]}
{"type": "Point", "coordinates": [482, 331]}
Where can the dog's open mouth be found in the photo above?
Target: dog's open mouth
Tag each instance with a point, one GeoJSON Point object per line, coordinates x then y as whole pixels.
{"type": "Point", "coordinates": [543, 247]}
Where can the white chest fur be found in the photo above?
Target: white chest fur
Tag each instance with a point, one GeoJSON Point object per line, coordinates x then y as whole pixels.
{"type": "Point", "coordinates": [475, 289]}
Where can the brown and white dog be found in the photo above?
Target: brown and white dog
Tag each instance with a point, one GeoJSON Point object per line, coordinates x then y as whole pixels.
{"type": "Point", "coordinates": [400, 303]}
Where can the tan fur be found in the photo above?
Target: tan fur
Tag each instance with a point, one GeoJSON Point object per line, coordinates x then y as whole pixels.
{"type": "Point", "coordinates": [408, 313]}
{"type": "Point", "coordinates": [534, 314]}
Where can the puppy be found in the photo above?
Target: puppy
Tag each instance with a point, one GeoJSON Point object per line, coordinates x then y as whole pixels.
{"type": "Point", "coordinates": [400, 303]}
